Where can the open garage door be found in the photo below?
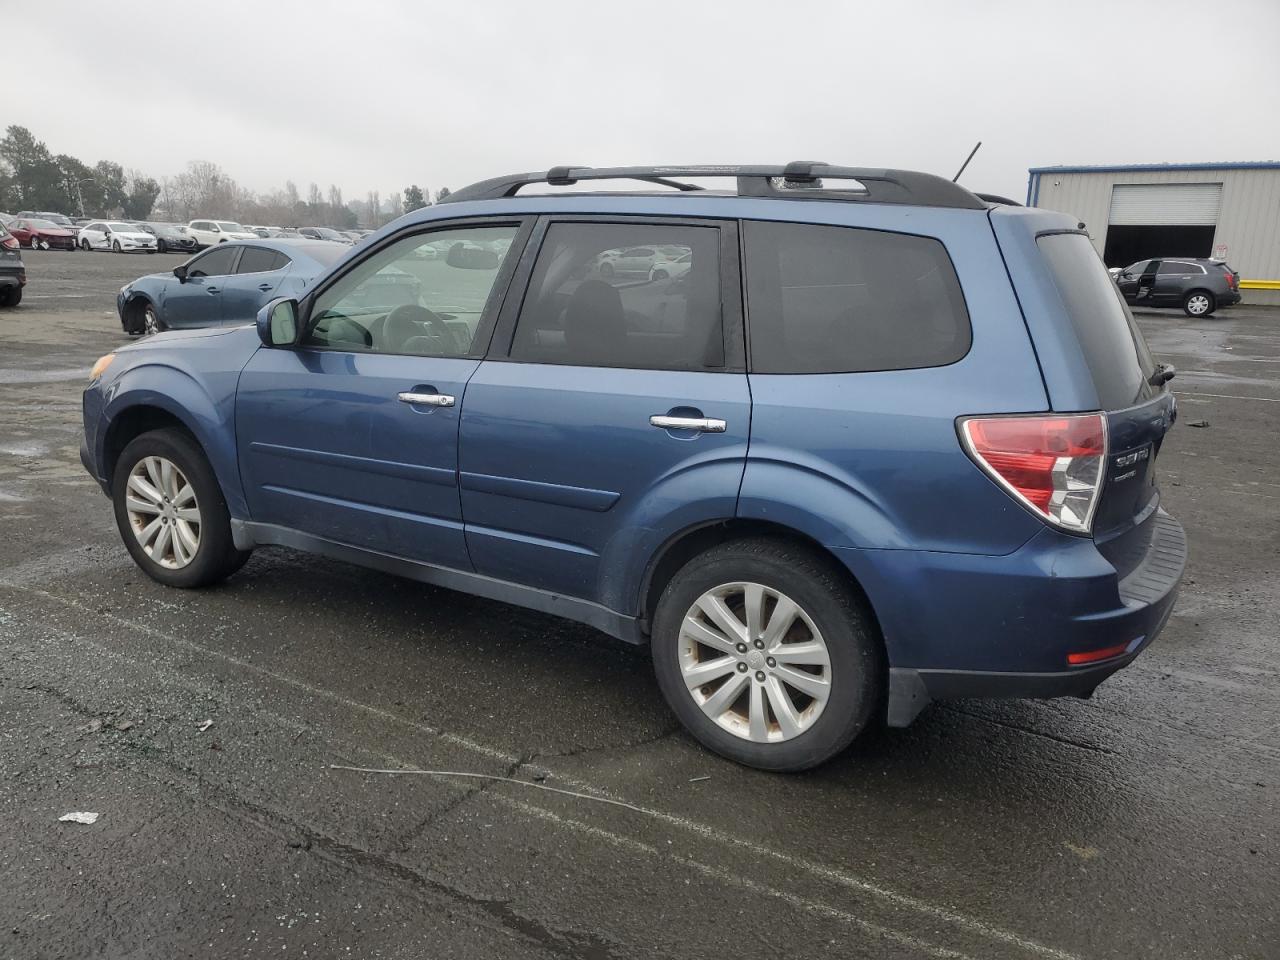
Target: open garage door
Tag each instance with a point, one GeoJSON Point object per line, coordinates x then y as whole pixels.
{"type": "Point", "coordinates": [1161, 220]}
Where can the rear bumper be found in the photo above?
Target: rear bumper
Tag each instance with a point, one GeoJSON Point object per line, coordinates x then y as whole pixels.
{"type": "Point", "coordinates": [960, 626]}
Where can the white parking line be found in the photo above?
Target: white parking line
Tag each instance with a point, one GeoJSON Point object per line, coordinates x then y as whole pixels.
{"type": "Point", "coordinates": [1229, 396]}
{"type": "Point", "coordinates": [831, 874]}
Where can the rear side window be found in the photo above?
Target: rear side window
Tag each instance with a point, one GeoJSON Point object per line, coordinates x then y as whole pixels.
{"type": "Point", "coordinates": [826, 299]}
{"type": "Point", "coordinates": [260, 260]}
{"type": "Point", "coordinates": [644, 296]}
{"type": "Point", "coordinates": [1111, 342]}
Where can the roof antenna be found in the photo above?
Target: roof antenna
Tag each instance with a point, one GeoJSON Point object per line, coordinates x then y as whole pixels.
{"type": "Point", "coordinates": [956, 178]}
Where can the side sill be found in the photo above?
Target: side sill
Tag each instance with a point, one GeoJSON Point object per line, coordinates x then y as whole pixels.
{"type": "Point", "coordinates": [246, 535]}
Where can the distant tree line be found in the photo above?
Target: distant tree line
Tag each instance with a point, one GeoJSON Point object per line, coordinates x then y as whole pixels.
{"type": "Point", "coordinates": [33, 178]}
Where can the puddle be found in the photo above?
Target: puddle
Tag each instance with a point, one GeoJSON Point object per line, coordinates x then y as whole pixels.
{"type": "Point", "coordinates": [24, 449]}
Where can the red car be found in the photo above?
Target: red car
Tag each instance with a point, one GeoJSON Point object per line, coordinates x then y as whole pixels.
{"type": "Point", "coordinates": [42, 235]}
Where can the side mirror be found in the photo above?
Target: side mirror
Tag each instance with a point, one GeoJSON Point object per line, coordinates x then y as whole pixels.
{"type": "Point", "coordinates": [278, 323]}
{"type": "Point", "coordinates": [180, 271]}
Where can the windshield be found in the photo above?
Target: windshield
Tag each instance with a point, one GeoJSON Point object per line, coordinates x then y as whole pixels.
{"type": "Point", "coordinates": [122, 227]}
{"type": "Point", "coordinates": [231, 227]}
{"type": "Point", "coordinates": [43, 225]}
{"type": "Point", "coordinates": [328, 234]}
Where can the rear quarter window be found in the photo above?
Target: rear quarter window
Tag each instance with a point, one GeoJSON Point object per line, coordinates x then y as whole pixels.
{"type": "Point", "coordinates": [1112, 345]}
{"type": "Point", "coordinates": [824, 299]}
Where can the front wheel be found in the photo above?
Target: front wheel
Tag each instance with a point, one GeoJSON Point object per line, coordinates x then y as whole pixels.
{"type": "Point", "coordinates": [11, 297]}
{"type": "Point", "coordinates": [171, 512]}
{"type": "Point", "coordinates": [1199, 303]}
{"type": "Point", "coordinates": [151, 322]}
{"type": "Point", "coordinates": [160, 247]}
{"type": "Point", "coordinates": [115, 246]}
{"type": "Point", "coordinates": [767, 655]}
{"type": "Point", "coordinates": [84, 245]}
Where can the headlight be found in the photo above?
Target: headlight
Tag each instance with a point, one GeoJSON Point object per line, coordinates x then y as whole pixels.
{"type": "Point", "coordinates": [100, 367]}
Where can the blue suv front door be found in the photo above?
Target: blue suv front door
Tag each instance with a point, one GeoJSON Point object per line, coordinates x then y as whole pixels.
{"type": "Point", "coordinates": [352, 435]}
{"type": "Point", "coordinates": [618, 415]}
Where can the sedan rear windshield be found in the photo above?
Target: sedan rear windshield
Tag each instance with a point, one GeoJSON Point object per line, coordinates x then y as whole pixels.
{"type": "Point", "coordinates": [1111, 342]}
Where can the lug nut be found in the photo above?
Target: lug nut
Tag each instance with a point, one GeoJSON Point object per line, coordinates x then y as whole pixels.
{"type": "Point", "coordinates": [760, 675]}
{"type": "Point", "coordinates": [742, 668]}
{"type": "Point", "coordinates": [771, 662]}
{"type": "Point", "coordinates": [759, 644]}
{"type": "Point", "coordinates": [742, 648]}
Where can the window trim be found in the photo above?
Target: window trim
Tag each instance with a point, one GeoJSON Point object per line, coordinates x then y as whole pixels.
{"type": "Point", "coordinates": [731, 302]}
{"type": "Point", "coordinates": [968, 314]}
{"type": "Point", "coordinates": [488, 315]}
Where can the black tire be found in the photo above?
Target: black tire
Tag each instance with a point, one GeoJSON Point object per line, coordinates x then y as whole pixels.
{"type": "Point", "coordinates": [160, 247]}
{"type": "Point", "coordinates": [606, 269]}
{"type": "Point", "coordinates": [84, 244]}
{"type": "Point", "coordinates": [1199, 303]}
{"type": "Point", "coordinates": [659, 275]}
{"type": "Point", "coordinates": [817, 585]}
{"type": "Point", "coordinates": [11, 297]}
{"type": "Point", "coordinates": [115, 246]}
{"type": "Point", "coordinates": [216, 556]}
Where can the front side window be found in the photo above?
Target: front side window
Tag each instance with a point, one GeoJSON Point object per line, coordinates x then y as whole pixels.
{"type": "Point", "coordinates": [826, 299]}
{"type": "Point", "coordinates": [215, 263]}
{"type": "Point", "coordinates": [403, 299]}
{"type": "Point", "coordinates": [1135, 269]}
{"type": "Point", "coordinates": [609, 295]}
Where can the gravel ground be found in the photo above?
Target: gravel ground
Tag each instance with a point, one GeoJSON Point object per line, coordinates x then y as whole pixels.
{"type": "Point", "coordinates": [1139, 824]}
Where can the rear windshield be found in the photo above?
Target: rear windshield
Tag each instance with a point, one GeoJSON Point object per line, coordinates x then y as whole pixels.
{"type": "Point", "coordinates": [1111, 342]}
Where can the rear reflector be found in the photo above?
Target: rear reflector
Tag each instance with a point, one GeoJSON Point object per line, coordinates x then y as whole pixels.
{"type": "Point", "coordinates": [1093, 656]}
{"type": "Point", "coordinates": [1052, 463]}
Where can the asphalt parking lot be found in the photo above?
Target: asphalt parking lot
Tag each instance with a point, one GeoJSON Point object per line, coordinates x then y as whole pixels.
{"type": "Point", "coordinates": [1140, 824]}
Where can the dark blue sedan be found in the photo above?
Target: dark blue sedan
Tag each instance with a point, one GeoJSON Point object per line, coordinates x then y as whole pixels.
{"type": "Point", "coordinates": [225, 285]}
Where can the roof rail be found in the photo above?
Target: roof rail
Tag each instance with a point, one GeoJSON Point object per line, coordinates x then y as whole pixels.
{"type": "Point", "coordinates": [801, 180]}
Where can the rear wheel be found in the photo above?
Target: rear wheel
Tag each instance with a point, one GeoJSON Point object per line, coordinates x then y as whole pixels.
{"type": "Point", "coordinates": [11, 297]}
{"type": "Point", "coordinates": [115, 246]}
{"type": "Point", "coordinates": [171, 512]}
{"type": "Point", "coordinates": [767, 655]}
{"type": "Point", "coordinates": [1199, 303]}
{"type": "Point", "coordinates": [160, 247]}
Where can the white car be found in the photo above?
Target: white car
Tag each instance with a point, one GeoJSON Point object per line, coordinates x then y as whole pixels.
{"type": "Point", "coordinates": [671, 269]}
{"type": "Point", "coordinates": [209, 232]}
{"type": "Point", "coordinates": [115, 236]}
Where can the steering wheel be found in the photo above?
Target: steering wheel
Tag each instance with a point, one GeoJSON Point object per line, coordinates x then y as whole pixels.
{"type": "Point", "coordinates": [408, 320]}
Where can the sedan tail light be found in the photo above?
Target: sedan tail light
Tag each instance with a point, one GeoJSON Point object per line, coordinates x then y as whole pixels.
{"type": "Point", "coordinates": [10, 243]}
{"type": "Point", "coordinates": [1051, 463]}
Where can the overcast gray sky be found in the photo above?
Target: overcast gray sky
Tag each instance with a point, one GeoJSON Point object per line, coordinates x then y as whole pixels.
{"type": "Point", "coordinates": [378, 94]}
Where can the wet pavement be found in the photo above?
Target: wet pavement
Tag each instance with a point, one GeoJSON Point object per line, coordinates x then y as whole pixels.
{"type": "Point", "coordinates": [1140, 824]}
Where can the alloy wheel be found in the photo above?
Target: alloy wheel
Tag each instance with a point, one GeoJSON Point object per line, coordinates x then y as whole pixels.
{"type": "Point", "coordinates": [755, 662]}
{"type": "Point", "coordinates": [150, 322]}
{"type": "Point", "coordinates": [1198, 305]}
{"type": "Point", "coordinates": [163, 512]}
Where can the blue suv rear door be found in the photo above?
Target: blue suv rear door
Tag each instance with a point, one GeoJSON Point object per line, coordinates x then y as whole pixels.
{"type": "Point", "coordinates": [352, 434]}
{"type": "Point", "coordinates": [613, 410]}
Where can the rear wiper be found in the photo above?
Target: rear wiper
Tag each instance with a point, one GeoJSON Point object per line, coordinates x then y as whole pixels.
{"type": "Point", "coordinates": [1164, 373]}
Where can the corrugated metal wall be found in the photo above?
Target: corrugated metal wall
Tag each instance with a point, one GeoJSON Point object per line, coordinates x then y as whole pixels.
{"type": "Point", "coordinates": [1249, 222]}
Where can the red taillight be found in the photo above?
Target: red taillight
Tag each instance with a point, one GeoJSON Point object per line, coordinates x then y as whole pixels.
{"type": "Point", "coordinates": [9, 243]}
{"type": "Point", "coordinates": [1093, 656]}
{"type": "Point", "coordinates": [1051, 462]}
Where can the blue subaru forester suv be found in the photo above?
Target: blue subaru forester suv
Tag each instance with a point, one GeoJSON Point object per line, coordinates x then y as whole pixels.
{"type": "Point", "coordinates": [834, 444]}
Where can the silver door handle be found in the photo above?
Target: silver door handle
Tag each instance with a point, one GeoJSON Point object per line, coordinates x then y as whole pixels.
{"type": "Point", "coordinates": [426, 399]}
{"type": "Point", "coordinates": [701, 424]}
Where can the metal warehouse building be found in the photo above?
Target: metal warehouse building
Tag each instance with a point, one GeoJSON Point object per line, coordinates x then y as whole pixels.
{"type": "Point", "coordinates": [1226, 210]}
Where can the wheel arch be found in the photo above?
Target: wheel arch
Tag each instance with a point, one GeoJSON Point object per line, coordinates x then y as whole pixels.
{"type": "Point", "coordinates": [133, 306]}
{"type": "Point", "coordinates": [172, 398]}
{"type": "Point", "coordinates": [683, 546]}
